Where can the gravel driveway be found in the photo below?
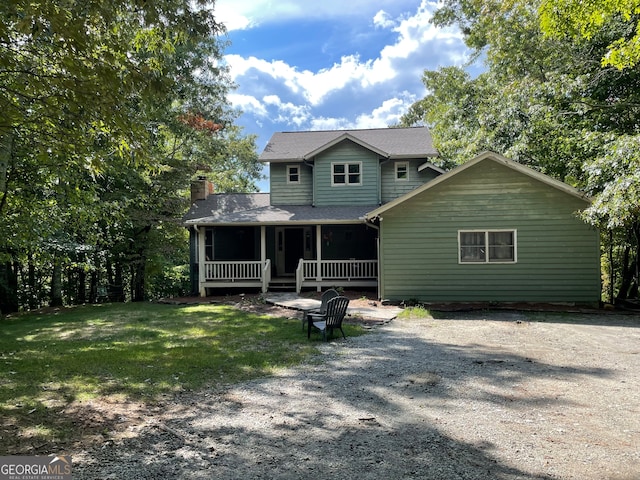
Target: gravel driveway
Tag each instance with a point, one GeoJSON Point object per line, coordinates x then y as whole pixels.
{"type": "Point", "coordinates": [500, 395]}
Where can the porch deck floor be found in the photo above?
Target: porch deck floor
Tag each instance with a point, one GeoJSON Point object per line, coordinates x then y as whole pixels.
{"type": "Point", "coordinates": [295, 302]}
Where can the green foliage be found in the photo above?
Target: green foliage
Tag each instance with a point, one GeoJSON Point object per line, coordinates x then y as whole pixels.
{"type": "Point", "coordinates": [97, 142]}
{"type": "Point", "coordinates": [584, 20]}
{"type": "Point", "coordinates": [546, 103]}
{"type": "Point", "coordinates": [616, 177]}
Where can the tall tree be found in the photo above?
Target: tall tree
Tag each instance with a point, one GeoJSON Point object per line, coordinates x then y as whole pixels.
{"type": "Point", "coordinates": [95, 152]}
{"type": "Point", "coordinates": [546, 101]}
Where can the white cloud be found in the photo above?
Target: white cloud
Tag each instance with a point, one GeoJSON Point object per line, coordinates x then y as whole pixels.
{"type": "Point", "coordinates": [314, 87]}
{"type": "Point", "coordinates": [242, 14]}
{"type": "Point", "coordinates": [288, 112]}
{"type": "Point", "coordinates": [247, 103]}
{"type": "Point", "coordinates": [383, 20]}
{"type": "Point", "coordinates": [388, 113]}
{"type": "Point", "coordinates": [231, 19]}
{"type": "Point", "coordinates": [373, 82]}
{"type": "Point", "coordinates": [323, 123]}
{"type": "Point", "coordinates": [415, 34]}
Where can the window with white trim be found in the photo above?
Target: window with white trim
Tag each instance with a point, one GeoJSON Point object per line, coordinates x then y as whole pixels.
{"type": "Point", "coordinates": [293, 174]}
{"type": "Point", "coordinates": [402, 171]}
{"type": "Point", "coordinates": [487, 246]}
{"type": "Point", "coordinates": [346, 173]}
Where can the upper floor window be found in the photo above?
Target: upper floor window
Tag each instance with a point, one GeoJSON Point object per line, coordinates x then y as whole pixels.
{"type": "Point", "coordinates": [293, 174]}
{"type": "Point", "coordinates": [402, 170]}
{"type": "Point", "coordinates": [346, 173]}
{"type": "Point", "coordinates": [490, 246]}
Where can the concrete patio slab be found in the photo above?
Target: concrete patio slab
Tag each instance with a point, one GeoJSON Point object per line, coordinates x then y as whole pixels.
{"type": "Point", "coordinates": [295, 302]}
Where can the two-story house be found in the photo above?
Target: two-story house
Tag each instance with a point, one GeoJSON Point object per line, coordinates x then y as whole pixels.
{"type": "Point", "coordinates": [368, 208]}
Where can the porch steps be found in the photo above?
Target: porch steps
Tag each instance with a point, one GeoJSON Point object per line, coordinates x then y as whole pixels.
{"type": "Point", "coordinates": [282, 285]}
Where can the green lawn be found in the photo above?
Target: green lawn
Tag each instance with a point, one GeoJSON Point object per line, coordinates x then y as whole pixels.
{"type": "Point", "coordinates": [130, 352]}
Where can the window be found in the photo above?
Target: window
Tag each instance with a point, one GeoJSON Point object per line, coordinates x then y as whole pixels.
{"type": "Point", "coordinates": [491, 246]}
{"type": "Point", "coordinates": [293, 174]}
{"type": "Point", "coordinates": [402, 170]}
{"type": "Point", "coordinates": [346, 174]}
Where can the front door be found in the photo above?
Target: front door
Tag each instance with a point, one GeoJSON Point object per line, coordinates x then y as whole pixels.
{"type": "Point", "coordinates": [290, 248]}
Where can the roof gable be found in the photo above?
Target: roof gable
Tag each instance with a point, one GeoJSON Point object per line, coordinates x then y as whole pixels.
{"type": "Point", "coordinates": [414, 142]}
{"type": "Point", "coordinates": [483, 157]}
{"type": "Point", "coordinates": [345, 137]}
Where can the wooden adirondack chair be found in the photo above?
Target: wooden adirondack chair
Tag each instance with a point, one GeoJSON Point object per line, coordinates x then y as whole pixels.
{"type": "Point", "coordinates": [331, 319]}
{"type": "Point", "coordinates": [326, 296]}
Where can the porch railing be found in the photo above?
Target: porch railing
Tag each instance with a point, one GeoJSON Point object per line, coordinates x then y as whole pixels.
{"type": "Point", "coordinates": [256, 272]}
{"type": "Point", "coordinates": [233, 271]}
{"type": "Point", "coordinates": [340, 269]}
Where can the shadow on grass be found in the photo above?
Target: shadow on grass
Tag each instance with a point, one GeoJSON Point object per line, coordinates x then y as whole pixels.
{"type": "Point", "coordinates": [138, 352]}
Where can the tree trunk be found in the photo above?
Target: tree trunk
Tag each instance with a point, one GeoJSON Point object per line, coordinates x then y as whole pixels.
{"type": "Point", "coordinates": [633, 290]}
{"type": "Point", "coordinates": [8, 289]}
{"type": "Point", "coordinates": [93, 282]}
{"type": "Point", "coordinates": [6, 147]}
{"type": "Point", "coordinates": [139, 265]}
{"type": "Point", "coordinates": [612, 270]}
{"type": "Point", "coordinates": [70, 285]}
{"type": "Point", "coordinates": [82, 281]}
{"type": "Point", "coordinates": [626, 276]}
{"type": "Point", "coordinates": [34, 295]}
{"type": "Point", "coordinates": [630, 266]}
{"type": "Point", "coordinates": [138, 280]}
{"type": "Point", "coordinates": [117, 288]}
{"type": "Point", "coordinates": [56, 282]}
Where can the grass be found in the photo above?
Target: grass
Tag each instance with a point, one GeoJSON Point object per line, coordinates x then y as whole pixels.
{"type": "Point", "coordinates": [417, 311]}
{"type": "Point", "coordinates": [129, 352]}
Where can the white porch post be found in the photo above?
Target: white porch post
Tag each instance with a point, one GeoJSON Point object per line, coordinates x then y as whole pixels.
{"type": "Point", "coordinates": [263, 255]}
{"type": "Point", "coordinates": [201, 259]}
{"type": "Point", "coordinates": [318, 256]}
{"type": "Point", "coordinates": [379, 266]}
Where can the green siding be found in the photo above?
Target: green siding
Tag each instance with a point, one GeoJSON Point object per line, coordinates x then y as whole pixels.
{"type": "Point", "coordinates": [364, 194]}
{"type": "Point", "coordinates": [392, 188]}
{"type": "Point", "coordinates": [557, 253]}
{"type": "Point", "coordinates": [284, 193]}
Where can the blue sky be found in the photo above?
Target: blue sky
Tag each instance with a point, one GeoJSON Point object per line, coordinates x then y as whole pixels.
{"type": "Point", "coordinates": [335, 64]}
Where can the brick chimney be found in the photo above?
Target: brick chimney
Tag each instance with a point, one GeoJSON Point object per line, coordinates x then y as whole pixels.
{"type": "Point", "coordinates": [201, 189]}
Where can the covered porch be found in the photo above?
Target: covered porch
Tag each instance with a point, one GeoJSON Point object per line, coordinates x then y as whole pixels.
{"type": "Point", "coordinates": [296, 256]}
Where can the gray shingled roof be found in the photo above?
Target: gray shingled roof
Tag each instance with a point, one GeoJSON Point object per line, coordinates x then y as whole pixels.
{"type": "Point", "coordinates": [254, 208]}
{"type": "Point", "coordinates": [414, 142]}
